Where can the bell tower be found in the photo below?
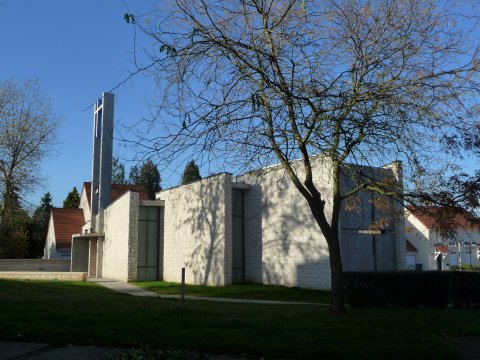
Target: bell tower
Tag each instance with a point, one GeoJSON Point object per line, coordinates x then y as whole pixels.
{"type": "Point", "coordinates": [102, 159]}
{"type": "Point", "coordinates": [87, 247]}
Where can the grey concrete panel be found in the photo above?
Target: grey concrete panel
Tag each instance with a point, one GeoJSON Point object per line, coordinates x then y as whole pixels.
{"type": "Point", "coordinates": [106, 146]}
{"type": "Point", "coordinates": [97, 128]}
{"type": "Point", "coordinates": [79, 255]}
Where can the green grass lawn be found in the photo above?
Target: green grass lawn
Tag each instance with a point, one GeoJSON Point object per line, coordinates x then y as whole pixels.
{"type": "Point", "coordinates": [243, 291]}
{"type": "Point", "coordinates": [85, 313]}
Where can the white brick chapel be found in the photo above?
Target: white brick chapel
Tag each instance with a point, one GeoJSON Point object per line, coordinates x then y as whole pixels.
{"type": "Point", "coordinates": [224, 229]}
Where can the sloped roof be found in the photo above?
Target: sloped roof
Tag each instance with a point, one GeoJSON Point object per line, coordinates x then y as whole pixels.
{"type": "Point", "coordinates": [66, 222]}
{"type": "Point", "coordinates": [427, 216]}
{"type": "Point", "coordinates": [117, 191]}
{"type": "Point", "coordinates": [410, 247]}
{"type": "Point", "coordinates": [441, 249]}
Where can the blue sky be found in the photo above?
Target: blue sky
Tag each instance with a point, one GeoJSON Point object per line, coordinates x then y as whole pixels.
{"type": "Point", "coordinates": [77, 49]}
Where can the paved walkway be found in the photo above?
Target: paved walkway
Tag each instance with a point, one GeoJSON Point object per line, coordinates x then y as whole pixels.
{"type": "Point", "coordinates": [123, 287]}
{"type": "Point", "coordinates": [126, 288]}
{"type": "Point", "coordinates": [41, 351]}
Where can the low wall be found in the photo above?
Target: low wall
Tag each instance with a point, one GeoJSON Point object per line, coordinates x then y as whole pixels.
{"type": "Point", "coordinates": [34, 265]}
{"type": "Point", "coordinates": [44, 275]}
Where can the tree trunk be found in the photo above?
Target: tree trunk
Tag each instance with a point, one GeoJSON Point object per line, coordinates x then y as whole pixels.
{"type": "Point", "coordinates": [337, 303]}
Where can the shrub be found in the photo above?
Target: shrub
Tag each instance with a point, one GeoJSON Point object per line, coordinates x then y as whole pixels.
{"type": "Point", "coordinates": [413, 289]}
{"type": "Point", "coordinates": [465, 267]}
{"type": "Point", "coordinates": [465, 290]}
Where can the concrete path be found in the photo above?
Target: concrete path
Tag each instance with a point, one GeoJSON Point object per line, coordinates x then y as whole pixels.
{"type": "Point", "coordinates": [126, 288]}
{"type": "Point", "coordinates": [41, 351]}
{"type": "Point", "coordinates": [123, 287]}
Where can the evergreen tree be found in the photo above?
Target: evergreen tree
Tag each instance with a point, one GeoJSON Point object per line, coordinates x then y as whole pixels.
{"type": "Point", "coordinates": [191, 173]}
{"type": "Point", "coordinates": [133, 176]}
{"type": "Point", "coordinates": [39, 222]}
{"type": "Point", "coordinates": [118, 172]}
{"type": "Point", "coordinates": [73, 199]}
{"type": "Point", "coordinates": [11, 202]}
{"type": "Point", "coordinates": [148, 176]}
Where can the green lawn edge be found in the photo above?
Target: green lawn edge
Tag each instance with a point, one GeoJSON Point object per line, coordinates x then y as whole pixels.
{"type": "Point", "coordinates": [240, 291]}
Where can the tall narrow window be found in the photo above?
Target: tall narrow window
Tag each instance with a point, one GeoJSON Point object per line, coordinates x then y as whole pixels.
{"type": "Point", "coordinates": [148, 238]}
{"type": "Point", "coordinates": [238, 241]}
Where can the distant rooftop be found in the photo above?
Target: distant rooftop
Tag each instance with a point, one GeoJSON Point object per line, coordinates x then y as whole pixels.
{"type": "Point", "coordinates": [118, 190]}
{"type": "Point", "coordinates": [431, 217]}
{"type": "Point", "coordinates": [65, 223]}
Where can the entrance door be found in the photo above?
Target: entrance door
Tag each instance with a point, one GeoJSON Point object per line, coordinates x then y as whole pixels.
{"type": "Point", "coordinates": [238, 242]}
{"type": "Point", "coordinates": [92, 267]}
{"type": "Point", "coordinates": [148, 239]}
{"type": "Point", "coordinates": [439, 262]}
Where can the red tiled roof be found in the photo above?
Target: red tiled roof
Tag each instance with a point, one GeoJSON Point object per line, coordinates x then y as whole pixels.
{"type": "Point", "coordinates": [117, 191]}
{"type": "Point", "coordinates": [441, 248]}
{"type": "Point", "coordinates": [410, 247]}
{"type": "Point", "coordinates": [66, 222]}
{"type": "Point", "coordinates": [427, 216]}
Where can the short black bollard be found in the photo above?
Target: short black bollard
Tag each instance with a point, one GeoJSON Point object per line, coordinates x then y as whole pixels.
{"type": "Point", "coordinates": [182, 288]}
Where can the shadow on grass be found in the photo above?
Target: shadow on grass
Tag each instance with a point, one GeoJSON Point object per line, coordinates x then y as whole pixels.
{"type": "Point", "coordinates": [241, 291]}
{"type": "Point", "coordinates": [87, 314]}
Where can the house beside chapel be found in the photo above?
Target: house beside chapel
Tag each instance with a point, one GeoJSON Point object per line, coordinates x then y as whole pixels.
{"type": "Point", "coordinates": [61, 225]}
{"type": "Point", "coordinates": [429, 249]}
{"type": "Point", "coordinates": [65, 222]}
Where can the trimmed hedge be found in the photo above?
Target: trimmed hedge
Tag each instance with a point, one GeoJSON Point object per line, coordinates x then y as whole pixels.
{"type": "Point", "coordinates": [413, 289]}
{"type": "Point", "coordinates": [464, 267]}
{"type": "Point", "coordinates": [465, 290]}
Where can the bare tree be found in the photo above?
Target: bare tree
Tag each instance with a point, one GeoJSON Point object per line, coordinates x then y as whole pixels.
{"type": "Point", "coordinates": [365, 82]}
{"type": "Point", "coordinates": [28, 130]}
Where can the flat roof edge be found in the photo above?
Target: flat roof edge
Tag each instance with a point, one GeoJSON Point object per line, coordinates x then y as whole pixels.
{"type": "Point", "coordinates": [87, 235]}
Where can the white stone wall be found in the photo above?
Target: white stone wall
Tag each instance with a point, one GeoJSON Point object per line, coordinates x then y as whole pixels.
{"type": "Point", "coordinates": [197, 231]}
{"type": "Point", "coordinates": [121, 234]}
{"type": "Point", "coordinates": [50, 248]}
{"type": "Point", "coordinates": [283, 243]}
{"type": "Point", "coordinates": [44, 275]}
{"type": "Point", "coordinates": [419, 236]}
{"type": "Point", "coordinates": [84, 206]}
{"type": "Point", "coordinates": [133, 210]}
{"type": "Point", "coordinates": [34, 265]}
